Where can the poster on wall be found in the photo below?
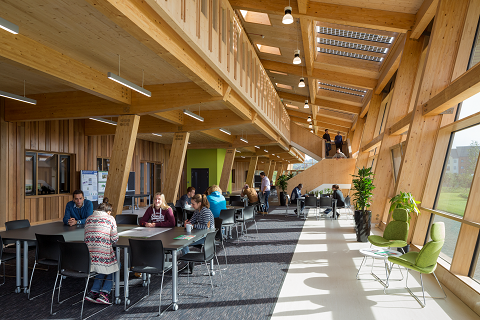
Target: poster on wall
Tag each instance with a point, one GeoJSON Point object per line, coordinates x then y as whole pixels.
{"type": "Point", "coordinates": [88, 180]}
{"type": "Point", "coordinates": [102, 182]}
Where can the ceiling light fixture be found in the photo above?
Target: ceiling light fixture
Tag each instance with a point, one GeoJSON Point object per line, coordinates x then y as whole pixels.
{"type": "Point", "coordinates": [157, 134]}
{"type": "Point", "coordinates": [242, 157]}
{"type": "Point", "coordinates": [225, 131]}
{"type": "Point", "coordinates": [301, 84]}
{"type": "Point", "coordinates": [309, 119]}
{"type": "Point", "coordinates": [244, 140]}
{"type": "Point", "coordinates": [193, 115]}
{"type": "Point", "coordinates": [128, 84]}
{"type": "Point", "coordinates": [306, 105]}
{"type": "Point", "coordinates": [288, 18]}
{"type": "Point", "coordinates": [265, 150]}
{"type": "Point", "coordinates": [296, 59]}
{"type": "Point", "coordinates": [257, 147]}
{"type": "Point", "coordinates": [13, 28]}
{"type": "Point", "coordinates": [278, 156]}
{"type": "Point", "coordinates": [104, 120]}
{"type": "Point", "coordinates": [311, 131]}
{"type": "Point", "coordinates": [17, 97]}
{"type": "Point", "coordinates": [310, 126]}
{"type": "Point", "coordinates": [273, 154]}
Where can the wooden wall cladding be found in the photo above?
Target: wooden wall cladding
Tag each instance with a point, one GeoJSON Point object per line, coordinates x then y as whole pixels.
{"type": "Point", "coordinates": [59, 136]}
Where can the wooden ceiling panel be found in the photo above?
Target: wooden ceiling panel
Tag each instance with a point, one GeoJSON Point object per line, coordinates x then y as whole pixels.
{"type": "Point", "coordinates": [405, 6]}
{"type": "Point", "coordinates": [81, 32]}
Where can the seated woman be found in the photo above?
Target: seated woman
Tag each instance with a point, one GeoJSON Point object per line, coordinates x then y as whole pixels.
{"type": "Point", "coordinates": [201, 219]}
{"type": "Point", "coordinates": [100, 235]}
{"type": "Point", "coordinates": [159, 214]}
{"type": "Point", "coordinates": [217, 200]}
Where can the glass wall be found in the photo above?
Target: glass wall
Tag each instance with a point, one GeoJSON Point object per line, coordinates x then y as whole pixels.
{"type": "Point", "coordinates": [47, 173]}
{"type": "Point", "coordinates": [458, 171]}
{"type": "Point", "coordinates": [452, 229]}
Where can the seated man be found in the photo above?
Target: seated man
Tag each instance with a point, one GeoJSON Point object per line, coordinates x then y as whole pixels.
{"type": "Point", "coordinates": [186, 198]}
{"type": "Point", "coordinates": [296, 193]}
{"type": "Point", "coordinates": [78, 210]}
{"type": "Point", "coordinates": [339, 155]}
{"type": "Point", "coordinates": [251, 195]}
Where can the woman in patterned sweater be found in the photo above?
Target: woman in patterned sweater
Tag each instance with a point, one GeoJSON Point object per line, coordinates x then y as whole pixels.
{"type": "Point", "coordinates": [100, 235]}
{"type": "Point", "coordinates": [201, 219]}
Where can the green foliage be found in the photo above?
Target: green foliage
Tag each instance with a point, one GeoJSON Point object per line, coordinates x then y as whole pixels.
{"type": "Point", "coordinates": [363, 187]}
{"type": "Point", "coordinates": [327, 191]}
{"type": "Point", "coordinates": [282, 181]}
{"type": "Point", "coordinates": [405, 200]}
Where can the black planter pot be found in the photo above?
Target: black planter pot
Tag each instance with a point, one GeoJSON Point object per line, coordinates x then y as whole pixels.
{"type": "Point", "coordinates": [363, 222]}
{"type": "Point", "coordinates": [282, 198]}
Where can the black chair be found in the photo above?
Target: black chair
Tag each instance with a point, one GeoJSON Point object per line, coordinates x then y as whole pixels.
{"type": "Point", "coordinates": [4, 257]}
{"type": "Point", "coordinates": [47, 253]}
{"type": "Point", "coordinates": [206, 256]}
{"type": "Point", "coordinates": [310, 203]}
{"type": "Point", "coordinates": [74, 261]}
{"type": "Point", "coordinates": [248, 215]}
{"type": "Point", "coordinates": [219, 237]}
{"type": "Point", "coordinates": [18, 224]}
{"type": "Point", "coordinates": [234, 198]}
{"type": "Point", "coordinates": [228, 217]}
{"type": "Point", "coordinates": [180, 215]}
{"type": "Point", "coordinates": [237, 203]}
{"type": "Point", "coordinates": [148, 256]}
{"type": "Point", "coordinates": [126, 219]}
{"type": "Point", "coordinates": [171, 204]}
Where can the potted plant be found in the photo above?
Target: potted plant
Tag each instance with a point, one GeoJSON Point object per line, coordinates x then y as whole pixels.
{"type": "Point", "coordinates": [405, 200]}
{"type": "Point", "coordinates": [282, 183]}
{"type": "Point", "coordinates": [363, 187]}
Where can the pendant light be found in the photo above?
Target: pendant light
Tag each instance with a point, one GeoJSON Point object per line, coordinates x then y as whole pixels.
{"type": "Point", "coordinates": [309, 119]}
{"type": "Point", "coordinates": [310, 126]}
{"type": "Point", "coordinates": [301, 84]}
{"type": "Point", "coordinates": [288, 18]}
{"type": "Point", "coordinates": [306, 106]}
{"type": "Point", "coordinates": [17, 97]}
{"type": "Point", "coordinates": [311, 131]}
{"type": "Point", "coordinates": [296, 53]}
{"type": "Point", "coordinates": [126, 83]}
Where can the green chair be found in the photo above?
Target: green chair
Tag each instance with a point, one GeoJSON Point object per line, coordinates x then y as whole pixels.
{"type": "Point", "coordinates": [396, 232]}
{"type": "Point", "coordinates": [425, 261]}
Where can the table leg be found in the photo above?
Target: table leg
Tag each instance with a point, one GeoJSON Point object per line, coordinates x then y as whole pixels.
{"type": "Point", "coordinates": [117, 279]}
{"type": "Point", "coordinates": [174, 280]}
{"type": "Point", "coordinates": [298, 207]}
{"type": "Point", "coordinates": [25, 266]}
{"type": "Point", "coordinates": [125, 276]}
{"type": "Point", "coordinates": [18, 267]}
{"type": "Point", "coordinates": [133, 204]}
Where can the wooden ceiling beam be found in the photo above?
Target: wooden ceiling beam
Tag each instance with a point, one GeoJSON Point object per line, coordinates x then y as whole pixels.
{"type": "Point", "coordinates": [53, 64]}
{"type": "Point", "coordinates": [339, 96]}
{"type": "Point", "coordinates": [366, 104]}
{"type": "Point", "coordinates": [345, 62]}
{"type": "Point", "coordinates": [145, 24]}
{"type": "Point", "coordinates": [374, 143]}
{"type": "Point", "coordinates": [219, 135]}
{"type": "Point", "coordinates": [320, 124]}
{"type": "Point", "coordinates": [235, 103]}
{"type": "Point", "coordinates": [334, 13]}
{"type": "Point", "coordinates": [308, 40]}
{"type": "Point", "coordinates": [324, 75]}
{"type": "Point", "coordinates": [327, 104]}
{"type": "Point", "coordinates": [423, 17]}
{"type": "Point", "coordinates": [173, 116]}
{"type": "Point", "coordinates": [302, 6]}
{"type": "Point", "coordinates": [302, 115]}
{"type": "Point", "coordinates": [391, 65]}
{"type": "Point", "coordinates": [79, 104]}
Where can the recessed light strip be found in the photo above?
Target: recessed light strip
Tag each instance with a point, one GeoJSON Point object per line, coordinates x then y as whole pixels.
{"type": "Point", "coordinates": [157, 134]}
{"type": "Point", "coordinates": [17, 97]}
{"type": "Point", "coordinates": [244, 140]}
{"type": "Point", "coordinates": [193, 115]}
{"type": "Point", "coordinates": [126, 83]}
{"type": "Point", "coordinates": [104, 120]}
{"type": "Point", "coordinates": [8, 26]}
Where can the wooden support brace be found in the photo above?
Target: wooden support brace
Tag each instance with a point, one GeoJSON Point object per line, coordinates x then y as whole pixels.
{"type": "Point", "coordinates": [175, 165]}
{"type": "Point", "coordinates": [120, 161]}
{"type": "Point", "coordinates": [227, 168]}
{"type": "Point", "coordinates": [251, 170]}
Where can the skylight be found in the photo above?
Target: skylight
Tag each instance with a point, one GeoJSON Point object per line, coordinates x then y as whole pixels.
{"type": "Point", "coordinates": [268, 49]}
{"type": "Point", "coordinates": [256, 17]}
{"type": "Point", "coordinates": [341, 87]}
{"type": "Point", "coordinates": [350, 45]}
{"type": "Point", "coordinates": [354, 35]}
{"type": "Point", "coordinates": [341, 91]}
{"type": "Point", "coordinates": [283, 86]}
{"type": "Point", "coordinates": [350, 55]}
{"type": "Point", "coordinates": [278, 72]}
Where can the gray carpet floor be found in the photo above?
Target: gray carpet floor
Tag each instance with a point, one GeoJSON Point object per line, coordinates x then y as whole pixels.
{"type": "Point", "coordinates": [250, 287]}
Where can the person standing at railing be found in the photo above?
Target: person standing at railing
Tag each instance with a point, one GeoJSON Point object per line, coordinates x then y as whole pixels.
{"type": "Point", "coordinates": [338, 141]}
{"type": "Point", "coordinates": [328, 142]}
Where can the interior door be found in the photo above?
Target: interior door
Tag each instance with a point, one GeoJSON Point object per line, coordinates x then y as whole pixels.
{"type": "Point", "coordinates": [200, 179]}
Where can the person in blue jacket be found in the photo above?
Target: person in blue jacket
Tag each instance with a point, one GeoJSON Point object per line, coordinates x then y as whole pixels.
{"type": "Point", "coordinates": [77, 210]}
{"type": "Point", "coordinates": [217, 200]}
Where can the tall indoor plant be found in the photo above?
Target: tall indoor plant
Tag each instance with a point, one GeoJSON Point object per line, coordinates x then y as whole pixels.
{"type": "Point", "coordinates": [363, 192]}
{"type": "Point", "coordinates": [282, 183]}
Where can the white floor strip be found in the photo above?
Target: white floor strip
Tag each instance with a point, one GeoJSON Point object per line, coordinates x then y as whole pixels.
{"type": "Point", "coordinates": [321, 283]}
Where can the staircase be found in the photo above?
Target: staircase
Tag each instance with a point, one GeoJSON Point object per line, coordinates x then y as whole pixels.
{"type": "Point", "coordinates": [307, 142]}
{"type": "Point", "coordinates": [324, 174]}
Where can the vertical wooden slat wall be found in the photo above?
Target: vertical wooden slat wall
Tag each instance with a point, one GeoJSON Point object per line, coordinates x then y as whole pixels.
{"type": "Point", "coordinates": [59, 136]}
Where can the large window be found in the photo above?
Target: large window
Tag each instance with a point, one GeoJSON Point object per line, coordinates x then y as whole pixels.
{"type": "Point", "coordinates": [456, 182]}
{"type": "Point", "coordinates": [452, 229]}
{"type": "Point", "coordinates": [47, 173]}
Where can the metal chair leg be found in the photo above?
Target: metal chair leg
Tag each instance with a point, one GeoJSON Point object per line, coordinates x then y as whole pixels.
{"type": "Point", "coordinates": [445, 295]}
{"type": "Point", "coordinates": [53, 295]}
{"type": "Point", "coordinates": [361, 264]}
{"type": "Point", "coordinates": [219, 270]}
{"type": "Point", "coordinates": [211, 282]}
{"type": "Point", "coordinates": [161, 289]}
{"type": "Point", "coordinates": [83, 300]}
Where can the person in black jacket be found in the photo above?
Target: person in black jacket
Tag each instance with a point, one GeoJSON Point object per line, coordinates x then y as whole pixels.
{"type": "Point", "coordinates": [328, 142]}
{"type": "Point", "coordinates": [337, 194]}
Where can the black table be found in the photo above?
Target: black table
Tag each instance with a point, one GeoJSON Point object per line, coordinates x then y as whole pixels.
{"type": "Point", "coordinates": [133, 196]}
{"type": "Point", "coordinates": [76, 233]}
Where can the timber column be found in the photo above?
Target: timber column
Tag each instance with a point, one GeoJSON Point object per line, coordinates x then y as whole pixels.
{"type": "Point", "coordinates": [175, 165]}
{"type": "Point", "coordinates": [121, 160]}
{"type": "Point", "coordinates": [227, 169]}
{"type": "Point", "coordinates": [251, 171]}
